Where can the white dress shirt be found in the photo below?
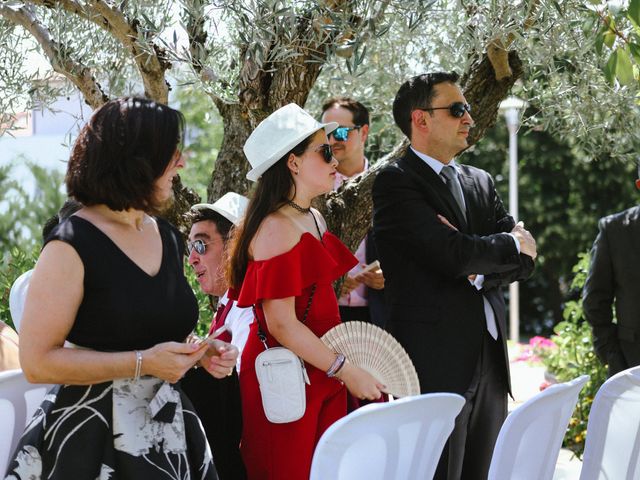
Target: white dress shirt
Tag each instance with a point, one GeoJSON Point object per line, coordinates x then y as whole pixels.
{"type": "Point", "coordinates": [238, 321]}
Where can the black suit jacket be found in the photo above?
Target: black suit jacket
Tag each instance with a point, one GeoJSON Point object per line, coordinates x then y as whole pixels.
{"type": "Point", "coordinates": [378, 309]}
{"type": "Point", "coordinates": [614, 275]}
{"type": "Point", "coordinates": [435, 313]}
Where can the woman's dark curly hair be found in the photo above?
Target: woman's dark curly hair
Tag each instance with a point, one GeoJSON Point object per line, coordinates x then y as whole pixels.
{"type": "Point", "coordinates": [126, 146]}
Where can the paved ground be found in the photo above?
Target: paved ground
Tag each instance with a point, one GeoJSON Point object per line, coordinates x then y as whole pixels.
{"type": "Point", "coordinates": [526, 380]}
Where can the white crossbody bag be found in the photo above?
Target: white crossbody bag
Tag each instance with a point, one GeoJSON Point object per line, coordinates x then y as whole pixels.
{"type": "Point", "coordinates": [282, 377]}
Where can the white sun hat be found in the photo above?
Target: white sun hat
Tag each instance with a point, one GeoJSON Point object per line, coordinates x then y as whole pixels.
{"type": "Point", "coordinates": [278, 134]}
{"type": "Point", "coordinates": [231, 206]}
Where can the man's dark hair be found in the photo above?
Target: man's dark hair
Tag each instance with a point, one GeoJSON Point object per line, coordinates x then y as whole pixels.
{"type": "Point", "coordinates": [359, 111]}
{"type": "Point", "coordinates": [417, 92]}
{"type": "Point", "coordinates": [120, 153]}
{"type": "Point", "coordinates": [223, 224]}
{"type": "Point", "coordinates": [69, 207]}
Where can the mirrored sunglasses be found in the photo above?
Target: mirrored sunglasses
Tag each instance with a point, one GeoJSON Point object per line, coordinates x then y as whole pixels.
{"type": "Point", "coordinates": [342, 133]}
{"type": "Point", "coordinates": [456, 109]}
{"type": "Point", "coordinates": [198, 245]}
{"type": "Point", "coordinates": [326, 151]}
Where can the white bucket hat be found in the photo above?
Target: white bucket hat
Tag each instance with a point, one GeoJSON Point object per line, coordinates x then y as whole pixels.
{"type": "Point", "coordinates": [277, 134]}
{"type": "Point", "coordinates": [231, 206]}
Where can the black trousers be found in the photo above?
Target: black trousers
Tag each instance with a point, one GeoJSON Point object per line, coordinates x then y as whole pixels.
{"type": "Point", "coordinates": [354, 313]}
{"type": "Point", "coordinates": [217, 403]}
{"type": "Point", "coordinates": [467, 453]}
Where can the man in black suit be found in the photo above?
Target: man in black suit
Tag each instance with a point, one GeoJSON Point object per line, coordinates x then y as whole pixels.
{"type": "Point", "coordinates": [445, 256]}
{"type": "Point", "coordinates": [614, 276]}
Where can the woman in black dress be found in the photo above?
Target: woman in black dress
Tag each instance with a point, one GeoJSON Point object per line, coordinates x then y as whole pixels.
{"type": "Point", "coordinates": [108, 310]}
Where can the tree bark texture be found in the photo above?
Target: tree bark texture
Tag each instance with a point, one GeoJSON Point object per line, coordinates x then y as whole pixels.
{"type": "Point", "coordinates": [231, 166]}
{"type": "Point", "coordinates": [263, 89]}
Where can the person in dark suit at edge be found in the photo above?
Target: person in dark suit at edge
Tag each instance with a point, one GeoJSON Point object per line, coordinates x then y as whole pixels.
{"type": "Point", "coordinates": [447, 245]}
{"type": "Point", "coordinates": [614, 278]}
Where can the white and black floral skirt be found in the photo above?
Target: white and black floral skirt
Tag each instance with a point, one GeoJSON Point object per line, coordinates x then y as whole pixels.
{"type": "Point", "coordinates": [106, 431]}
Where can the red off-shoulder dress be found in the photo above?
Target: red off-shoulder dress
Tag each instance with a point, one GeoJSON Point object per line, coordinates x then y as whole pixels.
{"type": "Point", "coordinates": [279, 451]}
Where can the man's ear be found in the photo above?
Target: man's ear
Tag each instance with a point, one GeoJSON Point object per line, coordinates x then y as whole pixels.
{"type": "Point", "coordinates": [364, 132]}
{"type": "Point", "coordinates": [420, 121]}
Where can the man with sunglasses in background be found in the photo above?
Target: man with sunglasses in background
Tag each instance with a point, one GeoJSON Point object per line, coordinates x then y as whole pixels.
{"type": "Point", "coordinates": [217, 401]}
{"type": "Point", "coordinates": [362, 295]}
{"type": "Point", "coordinates": [447, 245]}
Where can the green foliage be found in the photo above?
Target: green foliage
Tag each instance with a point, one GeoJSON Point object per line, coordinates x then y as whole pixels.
{"type": "Point", "coordinates": [23, 214]}
{"type": "Point", "coordinates": [14, 263]}
{"type": "Point", "coordinates": [204, 302]}
{"type": "Point", "coordinates": [574, 356]}
{"type": "Point", "coordinates": [204, 136]}
{"type": "Point", "coordinates": [620, 34]}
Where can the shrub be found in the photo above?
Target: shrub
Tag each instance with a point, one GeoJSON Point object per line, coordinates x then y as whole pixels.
{"type": "Point", "coordinates": [12, 265]}
{"type": "Point", "coordinates": [574, 356]}
{"type": "Point", "coordinates": [204, 302]}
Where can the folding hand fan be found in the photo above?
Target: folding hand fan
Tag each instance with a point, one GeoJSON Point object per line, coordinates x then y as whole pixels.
{"type": "Point", "coordinates": [376, 351]}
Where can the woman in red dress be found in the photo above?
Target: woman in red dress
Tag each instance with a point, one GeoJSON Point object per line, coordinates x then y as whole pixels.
{"type": "Point", "coordinates": [281, 254]}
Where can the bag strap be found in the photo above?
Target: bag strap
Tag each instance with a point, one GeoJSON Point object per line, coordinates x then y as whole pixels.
{"type": "Point", "coordinates": [261, 335]}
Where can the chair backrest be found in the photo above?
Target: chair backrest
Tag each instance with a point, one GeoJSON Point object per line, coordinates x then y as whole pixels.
{"type": "Point", "coordinates": [612, 450]}
{"type": "Point", "coordinates": [19, 400]}
{"type": "Point", "coordinates": [530, 438]}
{"type": "Point", "coordinates": [396, 440]}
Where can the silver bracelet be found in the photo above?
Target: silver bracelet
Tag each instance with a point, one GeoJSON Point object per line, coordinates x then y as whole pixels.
{"type": "Point", "coordinates": [138, 371]}
{"type": "Point", "coordinates": [336, 366]}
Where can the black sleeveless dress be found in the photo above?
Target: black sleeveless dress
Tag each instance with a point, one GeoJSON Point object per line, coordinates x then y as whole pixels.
{"type": "Point", "coordinates": [105, 430]}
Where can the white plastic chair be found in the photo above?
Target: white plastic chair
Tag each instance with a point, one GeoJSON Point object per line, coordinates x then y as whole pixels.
{"type": "Point", "coordinates": [612, 451]}
{"type": "Point", "coordinates": [19, 400]}
{"type": "Point", "coordinates": [529, 441]}
{"type": "Point", "coordinates": [397, 440]}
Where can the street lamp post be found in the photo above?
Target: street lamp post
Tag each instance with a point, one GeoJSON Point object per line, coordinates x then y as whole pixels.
{"type": "Point", "coordinates": [511, 108]}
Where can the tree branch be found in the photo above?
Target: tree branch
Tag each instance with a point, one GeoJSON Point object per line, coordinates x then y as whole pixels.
{"type": "Point", "coordinates": [194, 25]}
{"type": "Point", "coordinates": [78, 74]}
{"type": "Point", "coordinates": [151, 65]}
{"type": "Point", "coordinates": [498, 51]}
{"type": "Point", "coordinates": [151, 62]}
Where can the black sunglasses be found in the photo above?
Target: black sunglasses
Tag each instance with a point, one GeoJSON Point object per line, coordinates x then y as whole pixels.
{"type": "Point", "coordinates": [342, 133]}
{"type": "Point", "coordinates": [326, 151]}
{"type": "Point", "coordinates": [456, 109]}
{"type": "Point", "coordinates": [198, 245]}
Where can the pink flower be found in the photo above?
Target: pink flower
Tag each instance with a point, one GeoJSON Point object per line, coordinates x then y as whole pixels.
{"type": "Point", "coordinates": [544, 385]}
{"type": "Point", "coordinates": [541, 342]}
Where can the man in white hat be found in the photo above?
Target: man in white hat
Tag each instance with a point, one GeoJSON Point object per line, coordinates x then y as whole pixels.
{"type": "Point", "coordinates": [217, 402]}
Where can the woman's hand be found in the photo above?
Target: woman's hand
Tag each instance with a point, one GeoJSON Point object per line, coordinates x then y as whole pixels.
{"type": "Point", "coordinates": [169, 361]}
{"type": "Point", "coordinates": [220, 358]}
{"type": "Point", "coordinates": [360, 383]}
